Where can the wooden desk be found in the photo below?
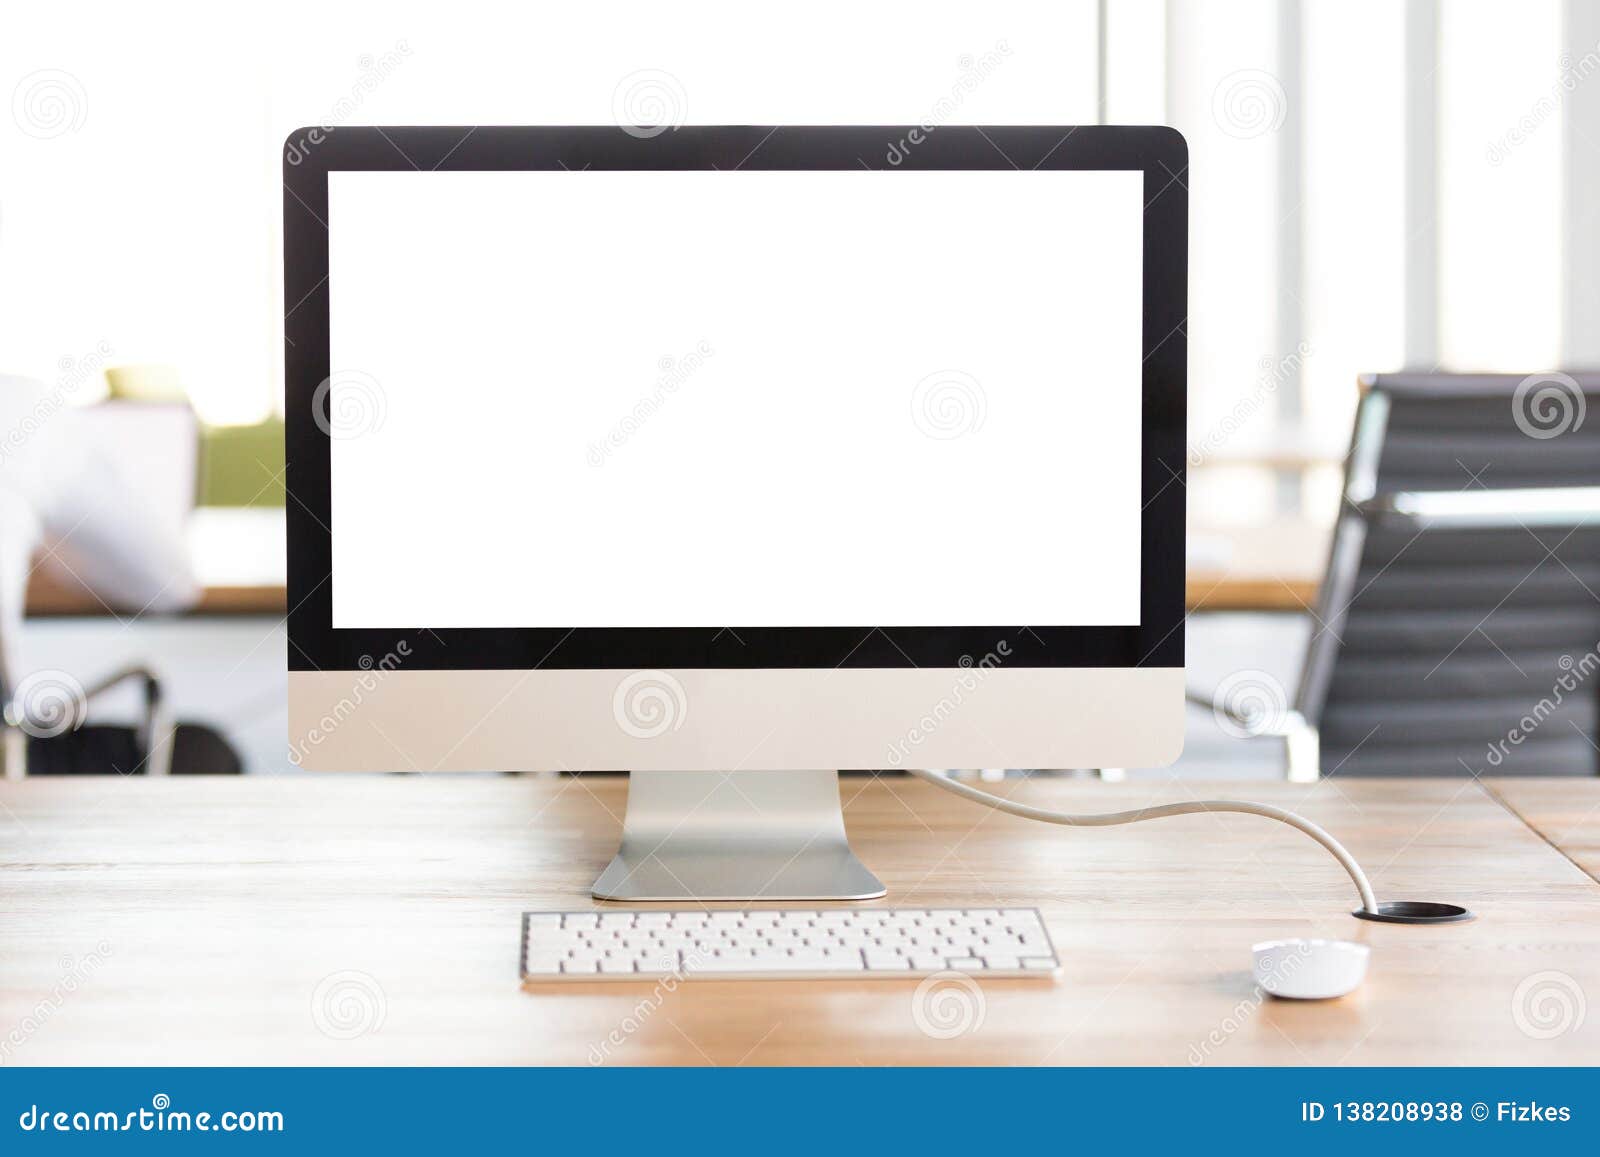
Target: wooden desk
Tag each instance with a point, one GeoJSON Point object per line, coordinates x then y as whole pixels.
{"type": "Point", "coordinates": [227, 918]}
{"type": "Point", "coordinates": [1564, 811]}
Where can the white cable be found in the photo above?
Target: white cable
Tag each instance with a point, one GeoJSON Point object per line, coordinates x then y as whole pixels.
{"type": "Point", "coordinates": [1369, 902]}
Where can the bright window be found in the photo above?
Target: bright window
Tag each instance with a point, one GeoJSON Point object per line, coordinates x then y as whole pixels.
{"type": "Point", "coordinates": [140, 192]}
{"type": "Point", "coordinates": [139, 170]}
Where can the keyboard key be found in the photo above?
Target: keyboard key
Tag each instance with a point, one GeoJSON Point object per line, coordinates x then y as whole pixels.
{"type": "Point", "coordinates": [827, 963]}
{"type": "Point", "coordinates": [718, 964]}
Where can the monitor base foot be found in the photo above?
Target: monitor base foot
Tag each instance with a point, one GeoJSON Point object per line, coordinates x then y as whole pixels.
{"type": "Point", "coordinates": [752, 836]}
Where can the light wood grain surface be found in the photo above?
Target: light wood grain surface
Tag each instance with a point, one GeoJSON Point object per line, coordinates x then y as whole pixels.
{"type": "Point", "coordinates": [373, 920]}
{"type": "Point", "coordinates": [1564, 811]}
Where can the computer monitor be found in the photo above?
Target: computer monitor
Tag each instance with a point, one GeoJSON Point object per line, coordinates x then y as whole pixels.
{"type": "Point", "coordinates": [717, 453]}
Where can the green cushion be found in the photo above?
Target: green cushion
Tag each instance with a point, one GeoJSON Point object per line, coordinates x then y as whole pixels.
{"type": "Point", "coordinates": [145, 383]}
{"type": "Point", "coordinates": [242, 465]}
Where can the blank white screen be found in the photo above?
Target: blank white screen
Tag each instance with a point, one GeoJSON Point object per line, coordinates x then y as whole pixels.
{"type": "Point", "coordinates": [656, 399]}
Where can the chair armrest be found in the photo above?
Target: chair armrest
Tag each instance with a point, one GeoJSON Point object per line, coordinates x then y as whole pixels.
{"type": "Point", "coordinates": [155, 732]}
{"type": "Point", "coordinates": [152, 684]}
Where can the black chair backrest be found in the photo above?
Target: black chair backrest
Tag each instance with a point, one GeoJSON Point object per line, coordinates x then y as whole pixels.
{"type": "Point", "coordinates": [107, 749]}
{"type": "Point", "coordinates": [1459, 629]}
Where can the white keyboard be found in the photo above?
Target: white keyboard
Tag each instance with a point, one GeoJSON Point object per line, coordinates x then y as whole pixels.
{"type": "Point", "coordinates": [785, 944]}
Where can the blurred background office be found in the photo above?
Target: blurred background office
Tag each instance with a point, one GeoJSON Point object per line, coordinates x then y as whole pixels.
{"type": "Point", "coordinates": [1376, 186]}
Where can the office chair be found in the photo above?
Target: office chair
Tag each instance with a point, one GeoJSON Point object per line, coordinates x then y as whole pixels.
{"type": "Point", "coordinates": [48, 736]}
{"type": "Point", "coordinates": [79, 479]}
{"type": "Point", "coordinates": [154, 746]}
{"type": "Point", "coordinates": [1457, 631]}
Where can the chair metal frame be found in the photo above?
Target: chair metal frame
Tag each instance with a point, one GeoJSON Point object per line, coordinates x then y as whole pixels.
{"type": "Point", "coordinates": [155, 733]}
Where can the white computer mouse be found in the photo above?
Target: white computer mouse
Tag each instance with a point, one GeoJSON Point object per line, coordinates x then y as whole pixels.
{"type": "Point", "coordinates": [1300, 969]}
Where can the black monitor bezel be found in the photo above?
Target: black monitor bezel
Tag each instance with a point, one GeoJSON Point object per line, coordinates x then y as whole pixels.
{"type": "Point", "coordinates": [1157, 641]}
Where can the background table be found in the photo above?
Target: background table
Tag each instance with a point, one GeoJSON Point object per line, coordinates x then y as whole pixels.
{"type": "Point", "coordinates": [374, 920]}
{"type": "Point", "coordinates": [239, 558]}
{"type": "Point", "coordinates": [1275, 566]}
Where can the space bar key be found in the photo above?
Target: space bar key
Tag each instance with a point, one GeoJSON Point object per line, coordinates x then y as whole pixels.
{"type": "Point", "coordinates": [776, 964]}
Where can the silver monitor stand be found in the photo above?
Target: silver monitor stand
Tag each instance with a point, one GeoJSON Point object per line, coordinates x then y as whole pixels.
{"type": "Point", "coordinates": [735, 835]}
